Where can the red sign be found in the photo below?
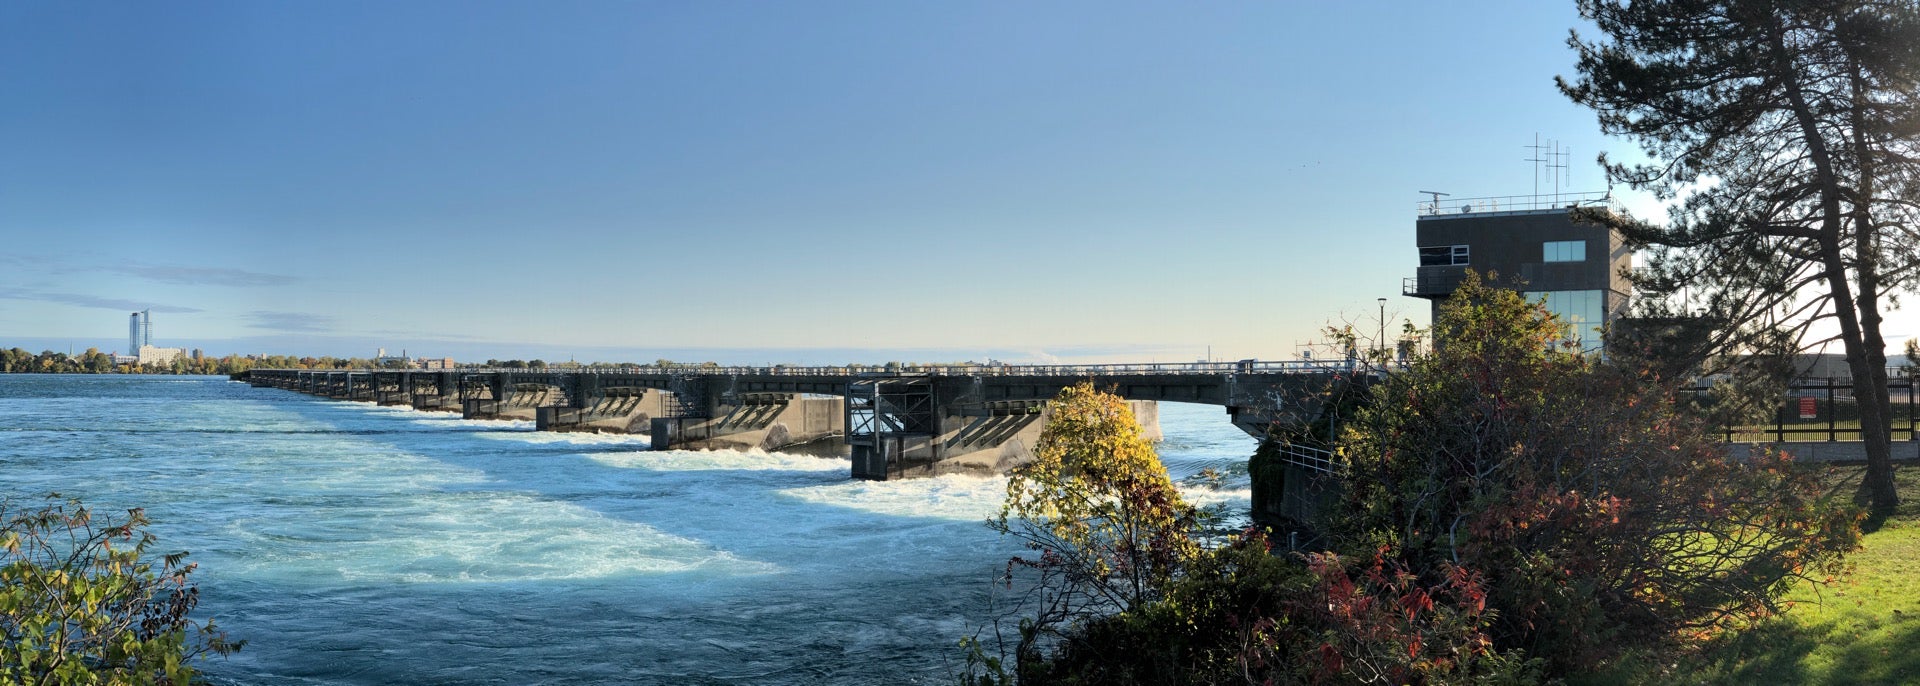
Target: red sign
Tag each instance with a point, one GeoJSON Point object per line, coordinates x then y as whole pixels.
{"type": "Point", "coordinates": [1808, 409]}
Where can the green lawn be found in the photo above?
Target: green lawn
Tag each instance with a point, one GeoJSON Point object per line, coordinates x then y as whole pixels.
{"type": "Point", "coordinates": [1862, 629]}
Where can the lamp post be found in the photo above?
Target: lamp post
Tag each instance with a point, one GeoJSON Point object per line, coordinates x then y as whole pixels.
{"type": "Point", "coordinates": [1381, 342]}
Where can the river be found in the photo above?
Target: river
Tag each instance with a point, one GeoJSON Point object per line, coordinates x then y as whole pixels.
{"type": "Point", "coordinates": [354, 544]}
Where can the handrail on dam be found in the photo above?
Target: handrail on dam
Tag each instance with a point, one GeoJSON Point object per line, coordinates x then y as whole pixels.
{"type": "Point", "coordinates": [1154, 368]}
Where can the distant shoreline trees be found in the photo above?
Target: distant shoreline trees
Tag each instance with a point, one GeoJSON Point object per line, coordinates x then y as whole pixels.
{"type": "Point", "coordinates": [19, 361]}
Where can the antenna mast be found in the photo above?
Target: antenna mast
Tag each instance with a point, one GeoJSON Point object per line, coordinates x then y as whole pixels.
{"type": "Point", "coordinates": [1536, 159]}
{"type": "Point", "coordinates": [1558, 165]}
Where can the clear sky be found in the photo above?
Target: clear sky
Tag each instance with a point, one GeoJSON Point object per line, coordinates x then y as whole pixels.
{"type": "Point", "coordinates": [752, 182]}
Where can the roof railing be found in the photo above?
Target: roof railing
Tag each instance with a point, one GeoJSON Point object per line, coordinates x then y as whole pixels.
{"type": "Point", "coordinates": [1447, 206]}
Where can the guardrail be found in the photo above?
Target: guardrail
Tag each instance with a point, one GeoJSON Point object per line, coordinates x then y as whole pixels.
{"type": "Point", "coordinates": [1511, 203]}
{"type": "Point", "coordinates": [1341, 365]}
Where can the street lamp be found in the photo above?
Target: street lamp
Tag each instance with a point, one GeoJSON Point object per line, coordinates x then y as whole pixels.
{"type": "Point", "coordinates": [1381, 342]}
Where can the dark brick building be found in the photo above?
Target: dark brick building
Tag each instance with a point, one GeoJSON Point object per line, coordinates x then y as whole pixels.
{"type": "Point", "coordinates": [1578, 268]}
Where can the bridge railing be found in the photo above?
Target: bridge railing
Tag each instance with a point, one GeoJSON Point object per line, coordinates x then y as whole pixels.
{"type": "Point", "coordinates": [1341, 365]}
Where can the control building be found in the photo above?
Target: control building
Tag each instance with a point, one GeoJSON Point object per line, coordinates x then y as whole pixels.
{"type": "Point", "coordinates": [1579, 268]}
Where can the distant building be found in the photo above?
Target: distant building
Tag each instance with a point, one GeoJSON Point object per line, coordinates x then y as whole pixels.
{"type": "Point", "coordinates": [139, 330]}
{"type": "Point", "coordinates": [382, 359]}
{"type": "Point", "coordinates": [1578, 268]}
{"type": "Point", "coordinates": [140, 343]}
{"type": "Point", "coordinates": [154, 355]}
{"type": "Point", "coordinates": [435, 363]}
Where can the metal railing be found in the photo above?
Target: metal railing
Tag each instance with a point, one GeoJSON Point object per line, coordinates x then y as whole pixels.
{"type": "Point", "coordinates": [1512, 203]}
{"type": "Point", "coordinates": [1432, 284]}
{"type": "Point", "coordinates": [1308, 457]}
{"type": "Point", "coordinates": [1340, 365]}
{"type": "Point", "coordinates": [1812, 412]}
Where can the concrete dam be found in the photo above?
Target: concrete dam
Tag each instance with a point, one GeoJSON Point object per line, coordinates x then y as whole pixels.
{"type": "Point", "coordinates": [899, 423]}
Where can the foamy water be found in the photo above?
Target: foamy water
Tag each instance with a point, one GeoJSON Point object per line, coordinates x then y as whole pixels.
{"type": "Point", "coordinates": [353, 544]}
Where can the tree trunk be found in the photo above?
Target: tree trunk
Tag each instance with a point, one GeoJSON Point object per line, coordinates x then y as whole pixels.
{"type": "Point", "coordinates": [1870, 391]}
{"type": "Point", "coordinates": [1859, 319]}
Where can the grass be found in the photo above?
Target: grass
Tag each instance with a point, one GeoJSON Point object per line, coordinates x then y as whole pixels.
{"type": "Point", "coordinates": [1862, 629]}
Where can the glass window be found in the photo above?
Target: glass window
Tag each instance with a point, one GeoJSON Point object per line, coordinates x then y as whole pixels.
{"type": "Point", "coordinates": [1443, 256]}
{"type": "Point", "coordinates": [1564, 251]}
{"type": "Point", "coordinates": [1581, 312]}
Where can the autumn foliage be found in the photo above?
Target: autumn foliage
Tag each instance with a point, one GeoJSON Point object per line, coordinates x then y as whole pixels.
{"type": "Point", "coordinates": [1513, 511]}
{"type": "Point", "coordinates": [1106, 529]}
{"type": "Point", "coordinates": [1598, 513]}
{"type": "Point", "coordinates": [81, 601]}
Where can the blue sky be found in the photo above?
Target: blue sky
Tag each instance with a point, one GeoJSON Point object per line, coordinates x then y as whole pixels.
{"type": "Point", "coordinates": [751, 182]}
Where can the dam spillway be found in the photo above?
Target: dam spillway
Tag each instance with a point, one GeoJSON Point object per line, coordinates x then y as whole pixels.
{"type": "Point", "coordinates": [894, 422]}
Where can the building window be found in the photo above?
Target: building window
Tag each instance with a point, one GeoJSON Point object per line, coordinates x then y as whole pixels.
{"type": "Point", "coordinates": [1564, 251]}
{"type": "Point", "coordinates": [1443, 256]}
{"type": "Point", "coordinates": [1582, 313]}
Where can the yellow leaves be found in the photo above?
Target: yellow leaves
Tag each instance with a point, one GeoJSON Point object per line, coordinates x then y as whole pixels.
{"type": "Point", "coordinates": [1096, 497]}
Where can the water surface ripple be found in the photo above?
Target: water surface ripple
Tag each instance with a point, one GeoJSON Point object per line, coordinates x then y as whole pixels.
{"type": "Point", "coordinates": [352, 544]}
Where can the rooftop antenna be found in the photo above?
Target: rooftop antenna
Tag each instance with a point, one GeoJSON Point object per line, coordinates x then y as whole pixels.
{"type": "Point", "coordinates": [1434, 208]}
{"type": "Point", "coordinates": [1536, 159]}
{"type": "Point", "coordinates": [1558, 164]}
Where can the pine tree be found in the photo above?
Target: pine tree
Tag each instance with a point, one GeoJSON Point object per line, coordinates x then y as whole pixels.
{"type": "Point", "coordinates": [1791, 127]}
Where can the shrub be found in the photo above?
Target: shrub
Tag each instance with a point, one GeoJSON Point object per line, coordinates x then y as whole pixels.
{"type": "Point", "coordinates": [1107, 528]}
{"type": "Point", "coordinates": [80, 603]}
{"type": "Point", "coordinates": [1600, 515]}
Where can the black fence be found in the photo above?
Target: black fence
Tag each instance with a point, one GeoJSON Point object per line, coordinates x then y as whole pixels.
{"type": "Point", "coordinates": [1827, 410]}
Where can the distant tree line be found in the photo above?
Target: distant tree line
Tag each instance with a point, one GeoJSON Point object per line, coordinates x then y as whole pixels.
{"type": "Point", "coordinates": [20, 361]}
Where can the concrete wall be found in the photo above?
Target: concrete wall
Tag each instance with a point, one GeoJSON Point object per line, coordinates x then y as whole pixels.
{"type": "Point", "coordinates": [798, 421]}
{"type": "Point", "coordinates": [1828, 451]}
{"type": "Point", "coordinates": [623, 411]}
{"type": "Point", "coordinates": [979, 445]}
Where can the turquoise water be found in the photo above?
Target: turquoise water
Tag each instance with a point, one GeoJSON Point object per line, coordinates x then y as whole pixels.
{"type": "Point", "coordinates": [353, 544]}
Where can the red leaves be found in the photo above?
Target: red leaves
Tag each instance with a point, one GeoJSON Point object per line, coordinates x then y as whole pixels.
{"type": "Point", "coordinates": [1382, 614]}
{"type": "Point", "coordinates": [1414, 602]}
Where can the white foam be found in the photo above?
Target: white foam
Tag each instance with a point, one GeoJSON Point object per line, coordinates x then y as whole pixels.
{"type": "Point", "coordinates": [1202, 496]}
{"type": "Point", "coordinates": [950, 496]}
{"type": "Point", "coordinates": [573, 438]}
{"type": "Point", "coordinates": [482, 536]}
{"type": "Point", "coordinates": [686, 460]}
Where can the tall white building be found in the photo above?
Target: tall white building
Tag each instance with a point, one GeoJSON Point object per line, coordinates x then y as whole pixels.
{"type": "Point", "coordinates": [140, 341]}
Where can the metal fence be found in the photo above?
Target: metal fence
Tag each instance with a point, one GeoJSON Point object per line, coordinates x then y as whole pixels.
{"type": "Point", "coordinates": [1827, 411]}
{"type": "Point", "coordinates": [1441, 206]}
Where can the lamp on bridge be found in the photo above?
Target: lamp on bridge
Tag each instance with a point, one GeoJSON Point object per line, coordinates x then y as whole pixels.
{"type": "Point", "coordinates": [1381, 343]}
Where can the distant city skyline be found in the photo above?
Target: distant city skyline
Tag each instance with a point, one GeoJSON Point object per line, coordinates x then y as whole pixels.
{"type": "Point", "coordinates": [807, 183]}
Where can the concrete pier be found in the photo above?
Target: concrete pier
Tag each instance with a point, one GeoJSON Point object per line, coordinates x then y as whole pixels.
{"type": "Point", "coordinates": [769, 421]}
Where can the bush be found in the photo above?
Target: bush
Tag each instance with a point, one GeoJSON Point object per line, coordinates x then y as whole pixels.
{"type": "Point", "coordinates": [1244, 615]}
{"type": "Point", "coordinates": [1106, 525]}
{"type": "Point", "coordinates": [1121, 592]}
{"type": "Point", "coordinates": [81, 604]}
{"type": "Point", "coordinates": [1600, 515]}
{"type": "Point", "coordinates": [1513, 511]}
